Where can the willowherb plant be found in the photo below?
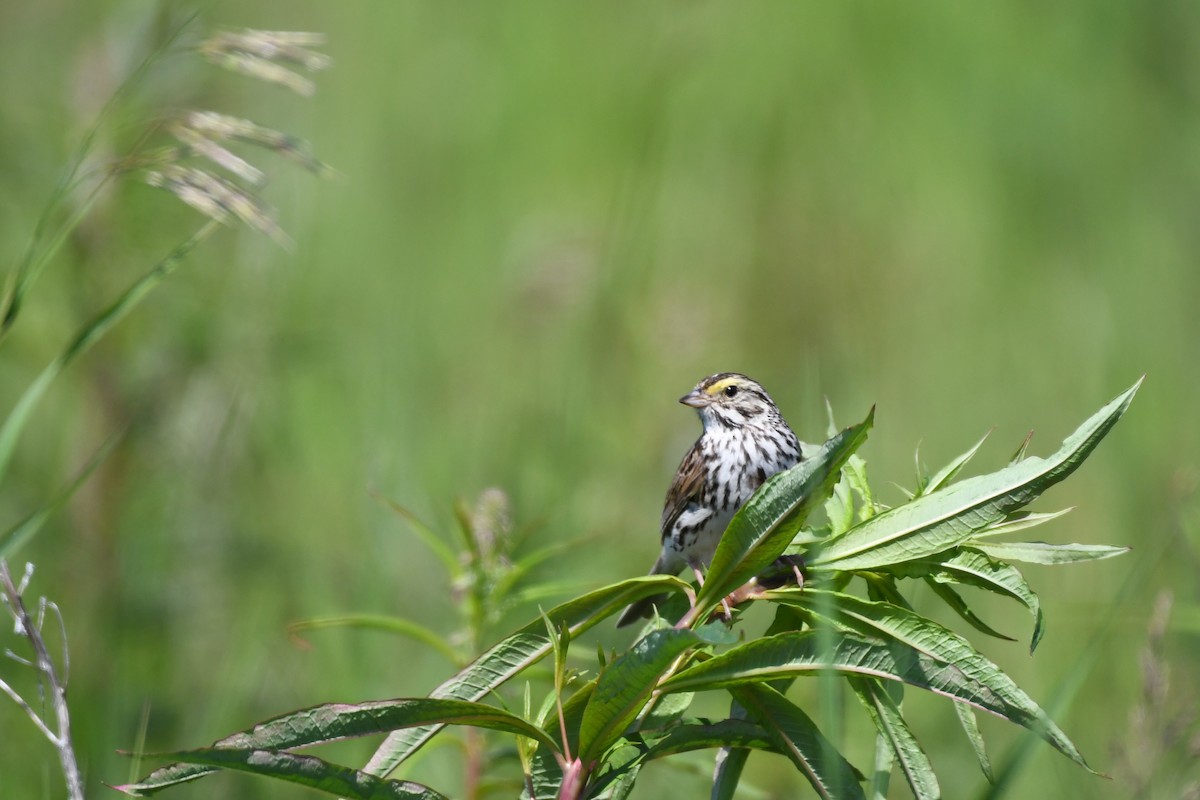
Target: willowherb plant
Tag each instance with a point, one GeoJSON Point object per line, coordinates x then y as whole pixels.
{"type": "Point", "coordinates": [595, 730]}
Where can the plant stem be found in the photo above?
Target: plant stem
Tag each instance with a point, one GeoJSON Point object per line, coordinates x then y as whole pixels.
{"type": "Point", "coordinates": [58, 690]}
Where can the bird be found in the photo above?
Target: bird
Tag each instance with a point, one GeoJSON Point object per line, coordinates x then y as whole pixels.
{"type": "Point", "coordinates": [745, 441]}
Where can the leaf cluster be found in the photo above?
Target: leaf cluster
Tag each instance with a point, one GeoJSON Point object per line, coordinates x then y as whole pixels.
{"type": "Point", "coordinates": [593, 733]}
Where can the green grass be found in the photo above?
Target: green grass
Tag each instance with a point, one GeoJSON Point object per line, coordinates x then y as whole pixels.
{"type": "Point", "coordinates": [554, 220]}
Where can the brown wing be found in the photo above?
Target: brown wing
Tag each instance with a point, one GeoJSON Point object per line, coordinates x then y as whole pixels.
{"type": "Point", "coordinates": [689, 480]}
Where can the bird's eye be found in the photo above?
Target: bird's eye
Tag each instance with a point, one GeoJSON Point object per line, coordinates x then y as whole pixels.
{"type": "Point", "coordinates": [730, 391]}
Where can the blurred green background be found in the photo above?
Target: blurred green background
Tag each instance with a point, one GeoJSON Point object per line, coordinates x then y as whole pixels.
{"type": "Point", "coordinates": [554, 218]}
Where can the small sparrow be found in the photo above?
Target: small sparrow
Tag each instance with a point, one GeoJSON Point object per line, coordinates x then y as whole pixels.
{"type": "Point", "coordinates": [745, 441]}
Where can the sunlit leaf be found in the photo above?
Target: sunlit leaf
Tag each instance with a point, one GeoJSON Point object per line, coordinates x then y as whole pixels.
{"type": "Point", "coordinates": [909, 754]}
{"type": "Point", "coordinates": [518, 651]}
{"type": "Point", "coordinates": [309, 771]}
{"type": "Point", "coordinates": [946, 474]}
{"type": "Point", "coordinates": [936, 522]}
{"type": "Point", "coordinates": [973, 568]}
{"type": "Point", "coordinates": [970, 726]}
{"type": "Point", "coordinates": [1043, 553]}
{"type": "Point", "coordinates": [625, 687]}
{"type": "Point", "coordinates": [1020, 520]}
{"type": "Point", "coordinates": [960, 607]}
{"type": "Point", "coordinates": [797, 736]}
{"type": "Point", "coordinates": [763, 527]}
{"type": "Point", "coordinates": [887, 642]}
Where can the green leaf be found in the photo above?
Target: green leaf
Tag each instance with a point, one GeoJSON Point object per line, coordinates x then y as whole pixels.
{"type": "Point", "coordinates": [883, 641]}
{"type": "Point", "coordinates": [730, 761]}
{"type": "Point", "coordinates": [763, 527]}
{"type": "Point", "coordinates": [1043, 553]}
{"type": "Point", "coordinates": [507, 581]}
{"type": "Point", "coordinates": [885, 759]}
{"type": "Point", "coordinates": [839, 508]}
{"type": "Point", "coordinates": [951, 470]}
{"type": "Point", "coordinates": [616, 775]}
{"type": "Point", "coordinates": [27, 528]}
{"type": "Point", "coordinates": [955, 601]}
{"type": "Point", "coordinates": [44, 244]}
{"type": "Point", "coordinates": [334, 721]}
{"type": "Point", "coordinates": [973, 568]}
{"type": "Point", "coordinates": [727, 773]}
{"type": "Point", "coordinates": [380, 622]}
{"type": "Point", "coordinates": [936, 522]}
{"type": "Point", "coordinates": [701, 735]}
{"type": "Point", "coordinates": [509, 657]}
{"type": "Point", "coordinates": [309, 771]}
{"type": "Point", "coordinates": [427, 535]}
{"type": "Point", "coordinates": [970, 726]}
{"type": "Point", "coordinates": [625, 687]}
{"type": "Point", "coordinates": [1020, 521]}
{"type": "Point", "coordinates": [797, 736]}
{"type": "Point", "coordinates": [99, 325]}
{"type": "Point", "coordinates": [885, 713]}
{"type": "Point", "coordinates": [518, 651]}
{"type": "Point", "coordinates": [1021, 448]}
{"type": "Point", "coordinates": [666, 711]}
{"type": "Point", "coordinates": [547, 775]}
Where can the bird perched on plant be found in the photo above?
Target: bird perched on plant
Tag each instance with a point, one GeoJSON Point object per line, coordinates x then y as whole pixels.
{"type": "Point", "coordinates": [745, 441]}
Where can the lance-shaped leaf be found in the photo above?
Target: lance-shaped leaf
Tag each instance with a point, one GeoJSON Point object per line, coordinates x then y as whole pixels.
{"type": "Point", "coordinates": [517, 652]}
{"type": "Point", "coordinates": [798, 737]}
{"type": "Point", "coordinates": [960, 607]}
{"type": "Point", "coordinates": [380, 622]}
{"type": "Point", "coordinates": [973, 568]}
{"type": "Point", "coordinates": [949, 472]}
{"type": "Point", "coordinates": [887, 642]}
{"type": "Point", "coordinates": [763, 527]}
{"type": "Point", "coordinates": [1021, 520]}
{"type": "Point", "coordinates": [699, 735]}
{"type": "Point", "coordinates": [970, 726]}
{"type": "Point", "coordinates": [616, 775]}
{"type": "Point", "coordinates": [936, 522]}
{"type": "Point", "coordinates": [730, 761]}
{"type": "Point", "coordinates": [885, 713]}
{"type": "Point", "coordinates": [89, 334]}
{"type": "Point", "coordinates": [546, 775]}
{"type": "Point", "coordinates": [625, 687]}
{"type": "Point", "coordinates": [503, 660]}
{"type": "Point", "coordinates": [309, 771]}
{"type": "Point", "coordinates": [27, 528]}
{"type": "Point", "coordinates": [1043, 553]}
{"type": "Point", "coordinates": [334, 721]}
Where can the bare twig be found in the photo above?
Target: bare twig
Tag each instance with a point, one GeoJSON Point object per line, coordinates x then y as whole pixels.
{"type": "Point", "coordinates": [26, 627]}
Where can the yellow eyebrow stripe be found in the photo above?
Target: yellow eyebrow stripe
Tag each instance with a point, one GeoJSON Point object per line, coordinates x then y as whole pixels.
{"type": "Point", "coordinates": [720, 385]}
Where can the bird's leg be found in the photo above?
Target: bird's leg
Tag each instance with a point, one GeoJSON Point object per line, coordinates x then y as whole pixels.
{"type": "Point", "coordinates": [747, 591]}
{"type": "Point", "coordinates": [699, 573]}
{"type": "Point", "coordinates": [796, 563]}
{"type": "Point", "coordinates": [784, 569]}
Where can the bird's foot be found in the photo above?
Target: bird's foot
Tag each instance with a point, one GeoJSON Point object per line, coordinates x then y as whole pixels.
{"type": "Point", "coordinates": [783, 571]}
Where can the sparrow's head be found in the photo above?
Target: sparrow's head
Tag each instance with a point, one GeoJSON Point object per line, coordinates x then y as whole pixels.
{"type": "Point", "coordinates": [732, 401]}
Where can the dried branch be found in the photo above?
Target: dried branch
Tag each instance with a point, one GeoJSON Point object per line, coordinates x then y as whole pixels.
{"type": "Point", "coordinates": [25, 626]}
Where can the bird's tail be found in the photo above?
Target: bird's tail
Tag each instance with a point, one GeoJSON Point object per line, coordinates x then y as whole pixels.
{"type": "Point", "coordinates": [641, 608]}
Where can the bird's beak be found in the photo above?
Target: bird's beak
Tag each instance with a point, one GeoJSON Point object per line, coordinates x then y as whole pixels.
{"type": "Point", "coordinates": [696, 399]}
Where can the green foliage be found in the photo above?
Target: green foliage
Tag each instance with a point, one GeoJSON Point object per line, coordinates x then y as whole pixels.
{"type": "Point", "coordinates": [593, 741]}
